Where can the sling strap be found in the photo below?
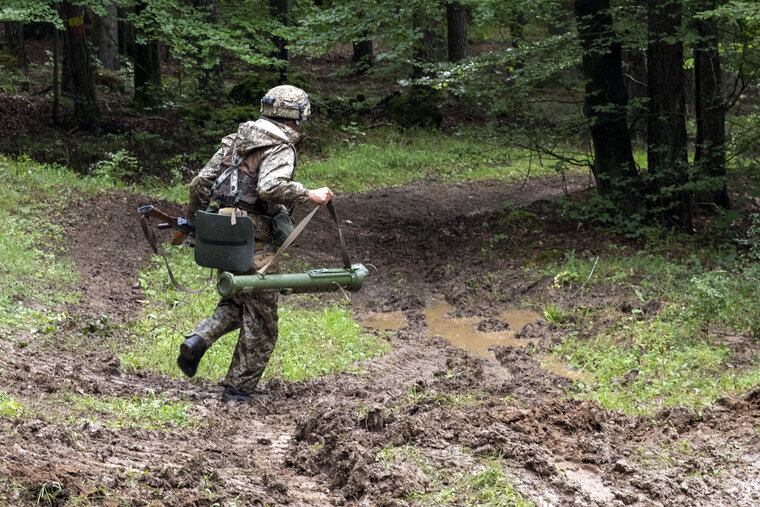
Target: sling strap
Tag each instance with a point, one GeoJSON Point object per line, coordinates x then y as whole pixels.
{"type": "Point", "coordinates": [300, 227]}
{"type": "Point", "coordinates": [150, 236]}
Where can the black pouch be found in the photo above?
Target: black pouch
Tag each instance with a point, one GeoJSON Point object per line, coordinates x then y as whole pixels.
{"type": "Point", "coordinates": [282, 226]}
{"type": "Point", "coordinates": [221, 245]}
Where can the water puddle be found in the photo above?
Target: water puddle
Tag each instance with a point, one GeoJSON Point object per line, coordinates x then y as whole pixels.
{"type": "Point", "coordinates": [462, 332]}
{"type": "Point", "coordinates": [388, 321]}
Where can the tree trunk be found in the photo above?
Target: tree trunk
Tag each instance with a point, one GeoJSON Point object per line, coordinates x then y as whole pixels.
{"type": "Point", "coordinates": [56, 76]}
{"type": "Point", "coordinates": [666, 126]}
{"type": "Point", "coordinates": [281, 12]}
{"type": "Point", "coordinates": [710, 156]}
{"type": "Point", "coordinates": [605, 104]}
{"type": "Point", "coordinates": [147, 70]}
{"type": "Point", "coordinates": [456, 20]}
{"type": "Point", "coordinates": [427, 49]}
{"type": "Point", "coordinates": [77, 66]}
{"type": "Point", "coordinates": [211, 80]}
{"type": "Point", "coordinates": [363, 55]}
{"type": "Point", "coordinates": [14, 39]}
{"type": "Point", "coordinates": [107, 33]}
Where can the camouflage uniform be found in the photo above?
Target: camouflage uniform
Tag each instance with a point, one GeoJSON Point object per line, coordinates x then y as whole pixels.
{"type": "Point", "coordinates": [270, 145]}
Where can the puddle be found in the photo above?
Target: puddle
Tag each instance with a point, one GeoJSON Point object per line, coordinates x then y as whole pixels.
{"type": "Point", "coordinates": [462, 332]}
{"type": "Point", "coordinates": [388, 321]}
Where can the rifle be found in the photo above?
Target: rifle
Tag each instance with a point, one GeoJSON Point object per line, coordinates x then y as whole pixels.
{"type": "Point", "coordinates": [183, 226]}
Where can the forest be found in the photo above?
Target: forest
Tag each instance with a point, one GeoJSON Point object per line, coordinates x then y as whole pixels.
{"type": "Point", "coordinates": [557, 204]}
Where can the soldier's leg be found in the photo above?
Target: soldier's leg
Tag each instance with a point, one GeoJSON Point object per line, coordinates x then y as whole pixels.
{"type": "Point", "coordinates": [226, 317]}
{"type": "Point", "coordinates": [258, 336]}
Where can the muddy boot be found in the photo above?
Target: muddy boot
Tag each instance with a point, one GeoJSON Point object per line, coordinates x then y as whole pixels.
{"type": "Point", "coordinates": [190, 353]}
{"type": "Point", "coordinates": [232, 394]}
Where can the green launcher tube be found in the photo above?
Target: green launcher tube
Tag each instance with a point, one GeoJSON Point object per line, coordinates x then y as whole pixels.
{"type": "Point", "coordinates": [316, 280]}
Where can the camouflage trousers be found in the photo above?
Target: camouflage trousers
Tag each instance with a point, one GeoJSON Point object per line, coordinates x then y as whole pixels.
{"type": "Point", "coordinates": [256, 317]}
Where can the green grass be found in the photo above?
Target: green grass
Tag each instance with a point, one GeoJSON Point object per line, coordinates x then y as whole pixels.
{"type": "Point", "coordinates": [380, 158]}
{"type": "Point", "coordinates": [490, 486]}
{"type": "Point", "coordinates": [310, 343]}
{"type": "Point", "coordinates": [10, 407]}
{"type": "Point", "coordinates": [150, 412]}
{"type": "Point", "coordinates": [34, 276]}
{"type": "Point", "coordinates": [676, 358]}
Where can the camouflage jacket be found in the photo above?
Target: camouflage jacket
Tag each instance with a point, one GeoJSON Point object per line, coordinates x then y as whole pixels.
{"type": "Point", "coordinates": [265, 143]}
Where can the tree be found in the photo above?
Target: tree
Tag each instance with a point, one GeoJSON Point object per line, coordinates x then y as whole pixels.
{"type": "Point", "coordinates": [710, 156]}
{"type": "Point", "coordinates": [281, 12]}
{"type": "Point", "coordinates": [666, 125]}
{"type": "Point", "coordinates": [14, 40]}
{"type": "Point", "coordinates": [456, 22]}
{"type": "Point", "coordinates": [106, 35]}
{"type": "Point", "coordinates": [147, 67]}
{"type": "Point", "coordinates": [77, 66]}
{"type": "Point", "coordinates": [605, 103]}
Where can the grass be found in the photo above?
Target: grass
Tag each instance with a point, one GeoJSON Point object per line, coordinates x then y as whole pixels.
{"type": "Point", "coordinates": [380, 158]}
{"type": "Point", "coordinates": [676, 358]}
{"type": "Point", "coordinates": [150, 412]}
{"type": "Point", "coordinates": [34, 276]}
{"type": "Point", "coordinates": [490, 486]}
{"type": "Point", "coordinates": [10, 407]}
{"type": "Point", "coordinates": [310, 344]}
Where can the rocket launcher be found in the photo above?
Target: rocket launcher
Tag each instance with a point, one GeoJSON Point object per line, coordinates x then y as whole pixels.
{"type": "Point", "coordinates": [315, 280]}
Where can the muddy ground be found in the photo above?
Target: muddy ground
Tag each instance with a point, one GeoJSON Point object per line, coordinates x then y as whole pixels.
{"type": "Point", "coordinates": [317, 443]}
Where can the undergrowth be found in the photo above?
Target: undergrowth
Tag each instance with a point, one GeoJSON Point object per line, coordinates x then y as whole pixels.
{"type": "Point", "coordinates": [671, 347]}
{"type": "Point", "coordinates": [310, 343]}
{"type": "Point", "coordinates": [35, 278]}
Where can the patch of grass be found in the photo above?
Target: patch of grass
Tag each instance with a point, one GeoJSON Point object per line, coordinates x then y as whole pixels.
{"type": "Point", "coordinates": [34, 276]}
{"type": "Point", "coordinates": [379, 158]}
{"type": "Point", "coordinates": [491, 487]}
{"type": "Point", "coordinates": [151, 412]}
{"type": "Point", "coordinates": [10, 407]}
{"type": "Point", "coordinates": [310, 343]}
{"type": "Point", "coordinates": [676, 358]}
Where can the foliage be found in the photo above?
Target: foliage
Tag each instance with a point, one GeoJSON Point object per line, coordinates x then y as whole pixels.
{"type": "Point", "coordinates": [10, 406]}
{"type": "Point", "coordinates": [310, 344]}
{"type": "Point", "coordinates": [676, 357]}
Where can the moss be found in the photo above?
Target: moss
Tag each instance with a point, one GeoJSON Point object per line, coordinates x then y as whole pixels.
{"type": "Point", "coordinates": [418, 107]}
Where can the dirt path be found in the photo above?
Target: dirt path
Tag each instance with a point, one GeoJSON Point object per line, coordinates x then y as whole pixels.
{"type": "Point", "coordinates": [318, 442]}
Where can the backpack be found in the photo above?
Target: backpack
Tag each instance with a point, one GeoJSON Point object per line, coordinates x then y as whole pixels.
{"type": "Point", "coordinates": [236, 186]}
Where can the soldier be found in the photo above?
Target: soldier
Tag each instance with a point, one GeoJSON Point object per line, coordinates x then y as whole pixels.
{"type": "Point", "coordinates": [265, 152]}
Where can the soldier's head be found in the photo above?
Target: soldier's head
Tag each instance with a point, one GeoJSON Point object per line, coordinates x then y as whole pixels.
{"type": "Point", "coordinates": [286, 104]}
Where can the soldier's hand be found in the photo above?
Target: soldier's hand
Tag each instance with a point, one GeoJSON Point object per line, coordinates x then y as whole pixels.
{"type": "Point", "coordinates": [320, 196]}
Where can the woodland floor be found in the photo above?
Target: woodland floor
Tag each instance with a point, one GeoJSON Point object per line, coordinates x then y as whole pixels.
{"type": "Point", "coordinates": [317, 443]}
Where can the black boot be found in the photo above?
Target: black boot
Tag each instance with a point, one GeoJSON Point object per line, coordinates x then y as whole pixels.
{"type": "Point", "coordinates": [190, 353]}
{"type": "Point", "coordinates": [232, 394]}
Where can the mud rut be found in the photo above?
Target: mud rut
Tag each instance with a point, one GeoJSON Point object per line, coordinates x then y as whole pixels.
{"type": "Point", "coordinates": [316, 444]}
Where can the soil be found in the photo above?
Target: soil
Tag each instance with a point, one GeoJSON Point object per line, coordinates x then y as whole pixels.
{"type": "Point", "coordinates": [317, 442]}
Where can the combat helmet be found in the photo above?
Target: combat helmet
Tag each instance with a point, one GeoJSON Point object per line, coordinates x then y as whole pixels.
{"type": "Point", "coordinates": [286, 102]}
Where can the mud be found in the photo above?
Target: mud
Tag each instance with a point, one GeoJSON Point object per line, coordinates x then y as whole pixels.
{"type": "Point", "coordinates": [319, 442]}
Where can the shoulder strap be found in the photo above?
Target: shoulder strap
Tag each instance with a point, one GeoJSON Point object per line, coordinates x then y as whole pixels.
{"type": "Point", "coordinates": [150, 236]}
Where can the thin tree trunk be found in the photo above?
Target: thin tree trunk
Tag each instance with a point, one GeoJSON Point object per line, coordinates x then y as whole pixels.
{"type": "Point", "coordinates": [281, 12]}
{"type": "Point", "coordinates": [211, 81]}
{"type": "Point", "coordinates": [605, 104]}
{"type": "Point", "coordinates": [147, 70]}
{"type": "Point", "coordinates": [14, 39]}
{"type": "Point", "coordinates": [666, 126]}
{"type": "Point", "coordinates": [710, 156]}
{"type": "Point", "coordinates": [56, 76]}
{"type": "Point", "coordinates": [456, 21]}
{"type": "Point", "coordinates": [77, 61]}
{"type": "Point", "coordinates": [363, 55]}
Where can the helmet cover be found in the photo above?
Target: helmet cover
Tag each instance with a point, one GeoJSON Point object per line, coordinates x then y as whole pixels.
{"type": "Point", "coordinates": [286, 101]}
